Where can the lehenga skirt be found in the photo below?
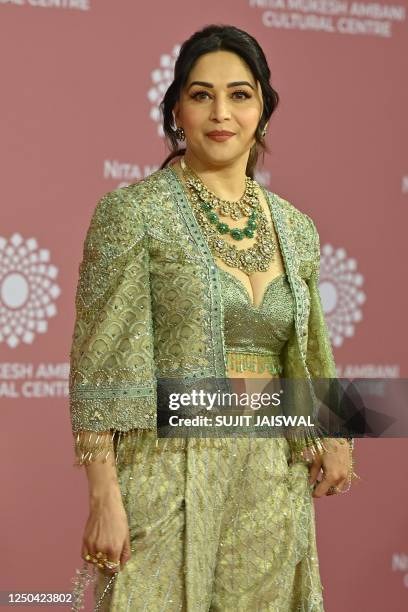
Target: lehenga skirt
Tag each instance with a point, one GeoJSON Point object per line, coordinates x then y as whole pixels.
{"type": "Point", "coordinates": [222, 525]}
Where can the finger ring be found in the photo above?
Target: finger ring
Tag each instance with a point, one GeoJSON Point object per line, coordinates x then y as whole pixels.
{"type": "Point", "coordinates": [333, 490]}
{"type": "Point", "coordinates": [100, 555]}
{"type": "Point", "coordinates": [111, 564]}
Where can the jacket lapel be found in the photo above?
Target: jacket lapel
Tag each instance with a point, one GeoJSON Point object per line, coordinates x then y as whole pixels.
{"type": "Point", "coordinates": [213, 301]}
{"type": "Point", "coordinates": [291, 263]}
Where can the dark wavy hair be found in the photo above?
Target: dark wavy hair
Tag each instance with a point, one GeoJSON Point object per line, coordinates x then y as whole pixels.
{"type": "Point", "coordinates": [216, 38]}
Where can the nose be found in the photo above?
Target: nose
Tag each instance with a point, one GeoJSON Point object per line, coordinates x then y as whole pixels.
{"type": "Point", "coordinates": [220, 110]}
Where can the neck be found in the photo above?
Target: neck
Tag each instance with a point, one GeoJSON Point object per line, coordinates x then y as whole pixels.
{"type": "Point", "coordinates": [226, 181]}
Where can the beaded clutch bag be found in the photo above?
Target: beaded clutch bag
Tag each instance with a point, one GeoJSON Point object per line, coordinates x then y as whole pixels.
{"type": "Point", "coordinates": [85, 577]}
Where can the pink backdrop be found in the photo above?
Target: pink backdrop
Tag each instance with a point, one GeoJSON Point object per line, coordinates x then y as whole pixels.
{"type": "Point", "coordinates": [81, 82]}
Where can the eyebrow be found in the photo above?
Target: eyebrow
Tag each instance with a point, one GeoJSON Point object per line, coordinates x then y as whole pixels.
{"type": "Point", "coordinates": [210, 85]}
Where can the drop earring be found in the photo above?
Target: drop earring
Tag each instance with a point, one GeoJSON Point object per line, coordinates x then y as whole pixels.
{"type": "Point", "coordinates": [180, 135]}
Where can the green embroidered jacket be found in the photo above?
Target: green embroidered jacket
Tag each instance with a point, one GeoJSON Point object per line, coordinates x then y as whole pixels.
{"type": "Point", "coordinates": [149, 305]}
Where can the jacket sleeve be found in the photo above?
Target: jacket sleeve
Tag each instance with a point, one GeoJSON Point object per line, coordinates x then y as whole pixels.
{"type": "Point", "coordinates": [317, 396]}
{"type": "Point", "coordinates": [319, 355]}
{"type": "Point", "coordinates": [112, 385]}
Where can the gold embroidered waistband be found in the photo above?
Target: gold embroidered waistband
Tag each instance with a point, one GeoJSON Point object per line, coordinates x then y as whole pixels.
{"type": "Point", "coordinates": [238, 361]}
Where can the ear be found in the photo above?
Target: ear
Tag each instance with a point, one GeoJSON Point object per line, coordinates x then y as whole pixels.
{"type": "Point", "coordinates": [176, 110]}
{"type": "Point", "coordinates": [260, 97]}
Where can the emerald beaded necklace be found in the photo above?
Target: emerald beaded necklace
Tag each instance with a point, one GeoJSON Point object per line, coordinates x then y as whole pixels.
{"type": "Point", "coordinates": [205, 203]}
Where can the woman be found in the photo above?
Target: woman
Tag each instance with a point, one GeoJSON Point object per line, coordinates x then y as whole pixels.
{"type": "Point", "coordinates": [171, 288]}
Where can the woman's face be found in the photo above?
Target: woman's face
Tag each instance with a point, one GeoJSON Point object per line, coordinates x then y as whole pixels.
{"type": "Point", "coordinates": [220, 94]}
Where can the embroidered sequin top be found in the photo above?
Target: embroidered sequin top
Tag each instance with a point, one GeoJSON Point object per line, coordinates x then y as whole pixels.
{"type": "Point", "coordinates": [255, 335]}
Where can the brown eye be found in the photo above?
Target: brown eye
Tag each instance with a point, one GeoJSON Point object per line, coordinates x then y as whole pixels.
{"type": "Point", "coordinates": [243, 93]}
{"type": "Point", "coordinates": [199, 93]}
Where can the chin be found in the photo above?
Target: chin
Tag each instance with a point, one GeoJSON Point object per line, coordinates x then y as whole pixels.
{"type": "Point", "coordinates": [222, 155]}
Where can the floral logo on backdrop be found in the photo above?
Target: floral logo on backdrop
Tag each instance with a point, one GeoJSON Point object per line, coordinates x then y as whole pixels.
{"type": "Point", "coordinates": [27, 290]}
{"type": "Point", "coordinates": [340, 290]}
{"type": "Point", "coordinates": [161, 78]}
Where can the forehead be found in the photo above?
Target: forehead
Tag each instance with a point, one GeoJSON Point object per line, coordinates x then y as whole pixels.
{"type": "Point", "coordinates": [220, 67]}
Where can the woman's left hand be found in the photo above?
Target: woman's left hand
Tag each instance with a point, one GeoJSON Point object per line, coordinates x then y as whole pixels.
{"type": "Point", "coordinates": [335, 464]}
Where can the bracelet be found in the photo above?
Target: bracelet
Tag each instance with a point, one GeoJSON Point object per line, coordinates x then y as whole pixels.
{"type": "Point", "coordinates": [317, 448]}
{"type": "Point", "coordinates": [352, 475]}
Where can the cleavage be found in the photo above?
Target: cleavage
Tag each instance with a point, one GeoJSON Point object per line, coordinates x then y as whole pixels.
{"type": "Point", "coordinates": [248, 287]}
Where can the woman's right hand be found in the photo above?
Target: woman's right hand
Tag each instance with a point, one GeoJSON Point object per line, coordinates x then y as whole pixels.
{"type": "Point", "coordinates": [107, 529]}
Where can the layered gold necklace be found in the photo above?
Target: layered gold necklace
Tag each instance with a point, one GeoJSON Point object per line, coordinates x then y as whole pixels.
{"type": "Point", "coordinates": [207, 207]}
